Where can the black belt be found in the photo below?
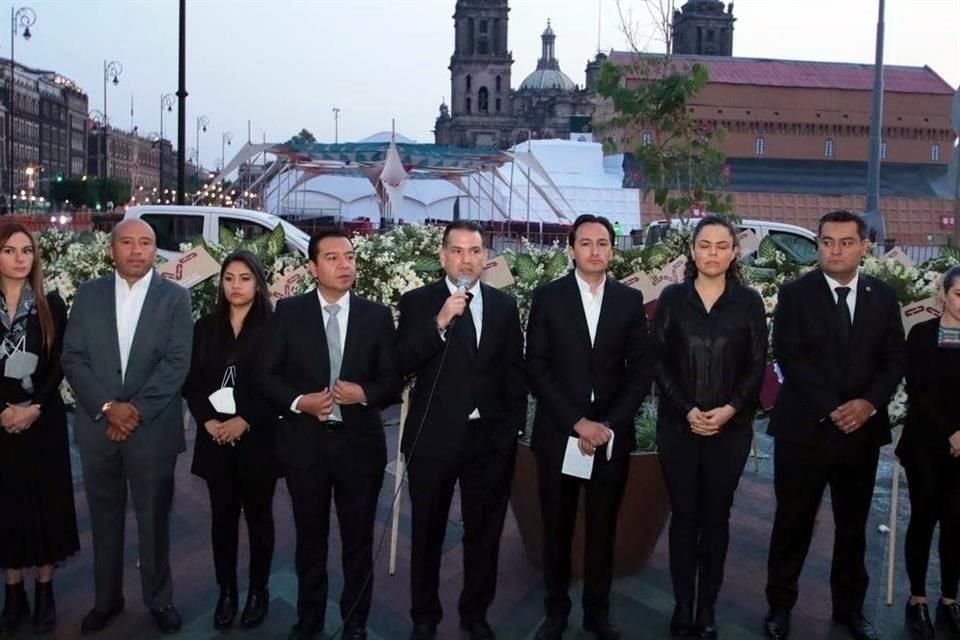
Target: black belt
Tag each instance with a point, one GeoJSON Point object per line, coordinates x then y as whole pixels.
{"type": "Point", "coordinates": [330, 425]}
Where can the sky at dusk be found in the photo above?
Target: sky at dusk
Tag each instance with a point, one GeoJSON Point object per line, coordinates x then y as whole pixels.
{"type": "Point", "coordinates": [284, 65]}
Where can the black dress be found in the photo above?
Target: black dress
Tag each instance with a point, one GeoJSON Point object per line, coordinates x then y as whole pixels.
{"type": "Point", "coordinates": [39, 523]}
{"type": "Point", "coordinates": [240, 477]}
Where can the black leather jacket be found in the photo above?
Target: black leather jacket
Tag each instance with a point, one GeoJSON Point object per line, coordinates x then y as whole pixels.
{"type": "Point", "coordinates": [707, 360]}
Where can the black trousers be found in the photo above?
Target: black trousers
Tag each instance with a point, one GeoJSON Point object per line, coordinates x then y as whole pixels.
{"type": "Point", "coordinates": [559, 495]}
{"type": "Point", "coordinates": [801, 473]}
{"type": "Point", "coordinates": [701, 474]}
{"type": "Point", "coordinates": [348, 471]}
{"type": "Point", "coordinates": [934, 498]}
{"type": "Point", "coordinates": [252, 492]}
{"type": "Point", "coordinates": [484, 473]}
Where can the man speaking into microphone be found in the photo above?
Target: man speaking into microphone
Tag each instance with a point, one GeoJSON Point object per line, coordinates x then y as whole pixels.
{"type": "Point", "coordinates": [462, 341]}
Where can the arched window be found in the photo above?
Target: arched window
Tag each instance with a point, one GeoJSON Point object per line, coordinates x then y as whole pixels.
{"type": "Point", "coordinates": [469, 82]}
{"type": "Point", "coordinates": [760, 146]}
{"type": "Point", "coordinates": [935, 152]}
{"type": "Point", "coordinates": [828, 148]}
{"type": "Point", "coordinates": [469, 105]}
{"type": "Point", "coordinates": [498, 105]}
{"type": "Point", "coordinates": [483, 100]}
{"type": "Point", "coordinates": [499, 84]}
{"type": "Point", "coordinates": [646, 138]}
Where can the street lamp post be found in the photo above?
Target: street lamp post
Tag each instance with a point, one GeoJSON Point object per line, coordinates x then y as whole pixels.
{"type": "Point", "coordinates": [24, 17]}
{"type": "Point", "coordinates": [336, 125]}
{"type": "Point", "coordinates": [202, 123]}
{"type": "Point", "coordinates": [166, 104]}
{"type": "Point", "coordinates": [112, 68]}
{"type": "Point", "coordinates": [225, 140]}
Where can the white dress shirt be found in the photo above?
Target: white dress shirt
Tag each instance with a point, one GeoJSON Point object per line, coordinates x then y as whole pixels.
{"type": "Point", "coordinates": [129, 304]}
{"type": "Point", "coordinates": [342, 319]}
{"type": "Point", "coordinates": [592, 302]}
{"type": "Point", "coordinates": [851, 296]}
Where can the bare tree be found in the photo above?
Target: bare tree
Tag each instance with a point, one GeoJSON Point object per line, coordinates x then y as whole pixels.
{"type": "Point", "coordinates": [657, 27]}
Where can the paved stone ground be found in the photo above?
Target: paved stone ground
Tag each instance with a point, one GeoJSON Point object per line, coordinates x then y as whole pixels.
{"type": "Point", "coordinates": [641, 604]}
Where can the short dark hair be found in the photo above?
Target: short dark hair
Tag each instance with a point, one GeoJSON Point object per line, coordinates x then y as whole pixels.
{"type": "Point", "coordinates": [842, 215]}
{"type": "Point", "coordinates": [326, 232]}
{"type": "Point", "coordinates": [951, 277]}
{"type": "Point", "coordinates": [462, 225]}
{"type": "Point", "coordinates": [587, 218]}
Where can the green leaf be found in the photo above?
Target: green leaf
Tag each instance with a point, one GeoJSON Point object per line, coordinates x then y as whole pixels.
{"type": "Point", "coordinates": [228, 239]}
{"type": "Point", "coordinates": [525, 267]}
{"type": "Point", "coordinates": [953, 253]}
{"type": "Point", "coordinates": [426, 264]}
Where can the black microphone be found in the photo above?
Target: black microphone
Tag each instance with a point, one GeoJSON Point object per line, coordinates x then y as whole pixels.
{"type": "Point", "coordinates": [462, 283]}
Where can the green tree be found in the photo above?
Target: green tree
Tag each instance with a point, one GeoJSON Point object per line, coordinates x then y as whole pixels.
{"type": "Point", "coordinates": [680, 162]}
{"type": "Point", "coordinates": [304, 137]}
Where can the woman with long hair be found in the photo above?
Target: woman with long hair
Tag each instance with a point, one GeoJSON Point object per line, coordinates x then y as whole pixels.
{"type": "Point", "coordinates": [929, 450]}
{"type": "Point", "coordinates": [38, 523]}
{"type": "Point", "coordinates": [233, 451]}
{"type": "Point", "coordinates": [710, 338]}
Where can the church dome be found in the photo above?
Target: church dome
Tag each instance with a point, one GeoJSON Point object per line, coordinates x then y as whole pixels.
{"type": "Point", "coordinates": [548, 79]}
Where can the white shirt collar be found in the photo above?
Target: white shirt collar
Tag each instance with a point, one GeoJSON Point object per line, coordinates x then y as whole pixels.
{"type": "Point", "coordinates": [343, 302]}
{"type": "Point", "coordinates": [139, 285]}
{"type": "Point", "coordinates": [474, 290]}
{"type": "Point", "coordinates": [585, 286]}
{"type": "Point", "coordinates": [833, 284]}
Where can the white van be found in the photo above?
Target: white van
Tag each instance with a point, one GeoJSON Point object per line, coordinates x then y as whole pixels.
{"type": "Point", "coordinates": [799, 243]}
{"type": "Point", "coordinates": [175, 225]}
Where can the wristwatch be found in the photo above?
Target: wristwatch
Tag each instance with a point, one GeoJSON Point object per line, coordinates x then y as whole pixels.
{"type": "Point", "coordinates": [106, 407]}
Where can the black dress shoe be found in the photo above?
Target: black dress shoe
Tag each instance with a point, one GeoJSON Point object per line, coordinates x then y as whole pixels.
{"type": "Point", "coordinates": [305, 631]}
{"type": "Point", "coordinates": [602, 629]}
{"type": "Point", "coordinates": [706, 624]}
{"type": "Point", "coordinates": [948, 617]}
{"type": "Point", "coordinates": [167, 619]}
{"type": "Point", "coordinates": [551, 629]}
{"type": "Point", "coordinates": [226, 609]}
{"type": "Point", "coordinates": [256, 609]}
{"type": "Point", "coordinates": [916, 619]}
{"type": "Point", "coordinates": [354, 632]}
{"type": "Point", "coordinates": [98, 620]}
{"type": "Point", "coordinates": [681, 623]}
{"type": "Point", "coordinates": [423, 631]}
{"type": "Point", "coordinates": [478, 629]}
{"type": "Point", "coordinates": [859, 627]}
{"type": "Point", "coordinates": [777, 624]}
{"type": "Point", "coordinates": [16, 608]}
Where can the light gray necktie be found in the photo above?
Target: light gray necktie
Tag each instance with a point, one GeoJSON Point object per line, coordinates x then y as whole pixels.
{"type": "Point", "coordinates": [333, 349]}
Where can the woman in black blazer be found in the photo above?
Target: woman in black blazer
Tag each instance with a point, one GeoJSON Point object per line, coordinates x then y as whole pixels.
{"type": "Point", "coordinates": [234, 445]}
{"type": "Point", "coordinates": [38, 523]}
{"type": "Point", "coordinates": [930, 453]}
{"type": "Point", "coordinates": [710, 338]}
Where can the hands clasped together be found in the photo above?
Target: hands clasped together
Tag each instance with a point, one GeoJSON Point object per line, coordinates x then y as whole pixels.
{"type": "Point", "coordinates": [17, 419]}
{"type": "Point", "coordinates": [709, 423]}
{"type": "Point", "coordinates": [851, 415]}
{"type": "Point", "coordinates": [320, 403]}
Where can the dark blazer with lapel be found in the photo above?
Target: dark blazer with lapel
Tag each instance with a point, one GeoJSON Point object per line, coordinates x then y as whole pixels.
{"type": "Point", "coordinates": [563, 368]}
{"type": "Point", "coordinates": [818, 375]}
{"type": "Point", "coordinates": [492, 380]}
{"type": "Point", "coordinates": [157, 367]}
{"type": "Point", "coordinates": [296, 362]}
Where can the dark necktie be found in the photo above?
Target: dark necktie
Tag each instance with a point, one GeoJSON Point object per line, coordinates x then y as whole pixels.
{"type": "Point", "coordinates": [844, 322]}
{"type": "Point", "coordinates": [469, 331]}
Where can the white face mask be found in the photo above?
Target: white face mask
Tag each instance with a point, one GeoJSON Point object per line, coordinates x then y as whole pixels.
{"type": "Point", "coordinates": [20, 362]}
{"type": "Point", "coordinates": [222, 399]}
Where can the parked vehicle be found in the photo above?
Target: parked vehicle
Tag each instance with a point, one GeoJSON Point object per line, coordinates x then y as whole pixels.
{"type": "Point", "coordinates": [175, 225]}
{"type": "Point", "coordinates": [799, 244]}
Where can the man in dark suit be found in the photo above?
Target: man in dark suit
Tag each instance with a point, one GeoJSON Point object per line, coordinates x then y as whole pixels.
{"type": "Point", "coordinates": [462, 340]}
{"type": "Point", "coordinates": [838, 339]}
{"type": "Point", "coordinates": [328, 369]}
{"type": "Point", "coordinates": [589, 366]}
{"type": "Point", "coordinates": [126, 354]}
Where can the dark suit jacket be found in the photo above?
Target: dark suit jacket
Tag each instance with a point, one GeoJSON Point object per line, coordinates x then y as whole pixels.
{"type": "Point", "coordinates": [214, 350]}
{"type": "Point", "coordinates": [818, 375]}
{"type": "Point", "coordinates": [933, 380]}
{"type": "Point", "coordinates": [157, 367]}
{"type": "Point", "coordinates": [491, 381]}
{"type": "Point", "coordinates": [296, 362]}
{"type": "Point", "coordinates": [563, 368]}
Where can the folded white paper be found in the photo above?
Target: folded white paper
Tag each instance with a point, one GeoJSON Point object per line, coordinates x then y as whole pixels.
{"type": "Point", "coordinates": [578, 464]}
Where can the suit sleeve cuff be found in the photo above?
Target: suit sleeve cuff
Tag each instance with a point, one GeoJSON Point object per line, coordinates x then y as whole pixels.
{"type": "Point", "coordinates": [293, 405]}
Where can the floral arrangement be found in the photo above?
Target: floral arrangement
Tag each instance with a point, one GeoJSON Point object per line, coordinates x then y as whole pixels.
{"type": "Point", "coordinates": [392, 263]}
